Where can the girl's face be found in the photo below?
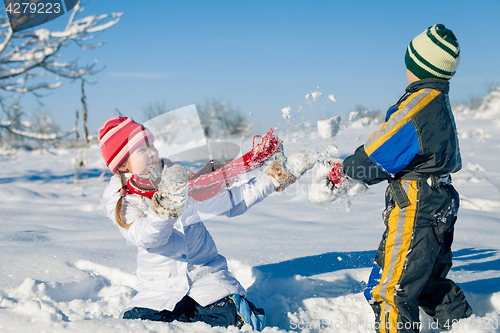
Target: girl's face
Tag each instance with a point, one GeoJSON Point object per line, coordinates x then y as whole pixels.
{"type": "Point", "coordinates": [140, 159]}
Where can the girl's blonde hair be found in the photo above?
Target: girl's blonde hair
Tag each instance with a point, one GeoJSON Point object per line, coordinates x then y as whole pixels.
{"type": "Point", "coordinates": [119, 203]}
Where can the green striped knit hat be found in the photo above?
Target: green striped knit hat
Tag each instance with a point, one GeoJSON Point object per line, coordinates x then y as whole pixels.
{"type": "Point", "coordinates": [434, 53]}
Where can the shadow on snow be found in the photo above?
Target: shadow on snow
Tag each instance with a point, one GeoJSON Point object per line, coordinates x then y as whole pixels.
{"type": "Point", "coordinates": [282, 287]}
{"type": "Point", "coordinates": [47, 176]}
{"type": "Point", "coordinates": [483, 286]}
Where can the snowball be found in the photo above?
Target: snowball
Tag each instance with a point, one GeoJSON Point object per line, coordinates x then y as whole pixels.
{"type": "Point", "coordinates": [286, 112]}
{"type": "Point", "coordinates": [329, 128]}
{"type": "Point", "coordinates": [300, 162]}
{"type": "Point", "coordinates": [332, 151]}
{"type": "Point", "coordinates": [332, 98]}
{"type": "Point", "coordinates": [315, 95]}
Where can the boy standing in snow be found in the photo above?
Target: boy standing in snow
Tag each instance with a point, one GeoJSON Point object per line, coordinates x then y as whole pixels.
{"type": "Point", "coordinates": [416, 150]}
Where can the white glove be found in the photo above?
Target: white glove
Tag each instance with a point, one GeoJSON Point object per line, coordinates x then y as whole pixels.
{"type": "Point", "coordinates": [169, 201]}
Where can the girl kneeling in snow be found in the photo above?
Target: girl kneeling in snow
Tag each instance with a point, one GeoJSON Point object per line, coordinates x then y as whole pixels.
{"type": "Point", "coordinates": [181, 276]}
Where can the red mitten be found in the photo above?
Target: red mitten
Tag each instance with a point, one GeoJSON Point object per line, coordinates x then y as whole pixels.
{"type": "Point", "coordinates": [337, 174]}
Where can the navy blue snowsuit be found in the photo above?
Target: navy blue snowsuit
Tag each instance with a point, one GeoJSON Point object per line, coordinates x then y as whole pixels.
{"type": "Point", "coordinates": [416, 150]}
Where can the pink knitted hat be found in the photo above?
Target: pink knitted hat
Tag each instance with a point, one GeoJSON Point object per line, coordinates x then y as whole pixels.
{"type": "Point", "coordinates": [118, 137]}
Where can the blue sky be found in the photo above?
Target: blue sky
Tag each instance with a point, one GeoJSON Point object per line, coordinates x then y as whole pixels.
{"type": "Point", "coordinates": [262, 56]}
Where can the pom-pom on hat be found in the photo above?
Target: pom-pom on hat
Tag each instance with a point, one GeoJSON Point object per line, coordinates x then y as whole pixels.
{"type": "Point", "coordinates": [118, 137]}
{"type": "Point", "coordinates": [434, 53]}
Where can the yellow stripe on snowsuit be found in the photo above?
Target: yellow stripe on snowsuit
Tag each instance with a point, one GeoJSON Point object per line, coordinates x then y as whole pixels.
{"type": "Point", "coordinates": [407, 110]}
{"type": "Point", "coordinates": [397, 243]}
{"type": "Point", "coordinates": [382, 320]}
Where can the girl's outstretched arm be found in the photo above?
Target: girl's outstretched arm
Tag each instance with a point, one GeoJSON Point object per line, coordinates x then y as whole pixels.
{"type": "Point", "coordinates": [238, 199]}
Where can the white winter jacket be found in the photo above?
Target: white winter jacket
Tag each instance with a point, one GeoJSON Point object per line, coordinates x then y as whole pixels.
{"type": "Point", "coordinates": [179, 257]}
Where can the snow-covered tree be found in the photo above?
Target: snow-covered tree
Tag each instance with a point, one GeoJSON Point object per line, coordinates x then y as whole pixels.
{"type": "Point", "coordinates": [219, 120]}
{"type": "Point", "coordinates": [38, 127]}
{"type": "Point", "coordinates": [166, 126]}
{"type": "Point", "coordinates": [28, 56]}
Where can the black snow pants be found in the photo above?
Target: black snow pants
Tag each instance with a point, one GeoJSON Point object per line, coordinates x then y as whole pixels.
{"type": "Point", "coordinates": [221, 313]}
{"type": "Point", "coordinates": [414, 258]}
{"type": "Point", "coordinates": [225, 312]}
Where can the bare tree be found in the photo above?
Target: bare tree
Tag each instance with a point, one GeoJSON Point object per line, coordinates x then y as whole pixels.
{"type": "Point", "coordinates": [368, 115]}
{"type": "Point", "coordinates": [155, 109]}
{"type": "Point", "coordinates": [165, 127]}
{"type": "Point", "coordinates": [219, 120]}
{"type": "Point", "coordinates": [27, 56]}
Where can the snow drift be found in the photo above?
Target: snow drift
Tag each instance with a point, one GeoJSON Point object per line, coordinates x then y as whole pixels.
{"type": "Point", "coordinates": [66, 268]}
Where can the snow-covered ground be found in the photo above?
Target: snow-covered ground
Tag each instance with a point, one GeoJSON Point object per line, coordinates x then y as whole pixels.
{"type": "Point", "coordinates": [65, 267]}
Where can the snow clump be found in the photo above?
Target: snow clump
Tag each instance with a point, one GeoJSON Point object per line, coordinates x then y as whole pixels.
{"type": "Point", "coordinates": [314, 95]}
{"type": "Point", "coordinates": [329, 127]}
{"type": "Point", "coordinates": [323, 191]}
{"type": "Point", "coordinates": [300, 162]}
{"type": "Point", "coordinates": [286, 112]}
